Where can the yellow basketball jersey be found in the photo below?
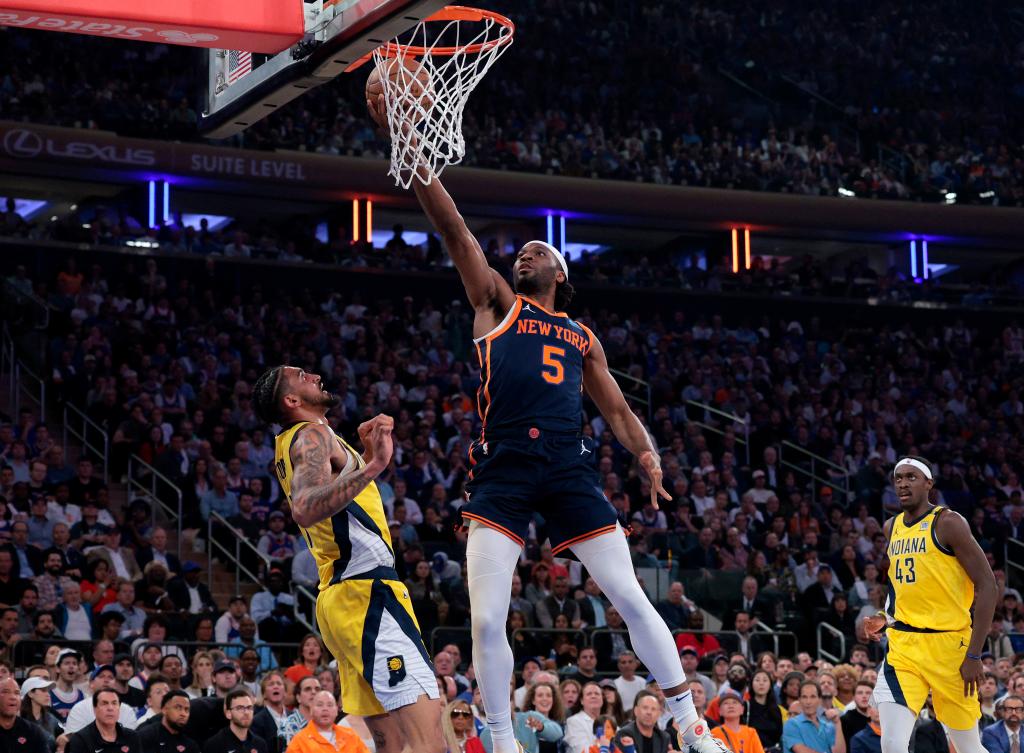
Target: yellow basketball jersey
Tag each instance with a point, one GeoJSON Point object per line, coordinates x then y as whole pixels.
{"type": "Point", "coordinates": [351, 542]}
{"type": "Point", "coordinates": [928, 588]}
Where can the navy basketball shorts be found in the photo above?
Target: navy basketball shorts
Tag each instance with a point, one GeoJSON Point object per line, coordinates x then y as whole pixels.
{"type": "Point", "coordinates": [550, 475]}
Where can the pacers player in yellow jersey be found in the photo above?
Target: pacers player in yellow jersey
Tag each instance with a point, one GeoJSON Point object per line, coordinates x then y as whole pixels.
{"type": "Point", "coordinates": [936, 572]}
{"type": "Point", "coordinates": [363, 610]}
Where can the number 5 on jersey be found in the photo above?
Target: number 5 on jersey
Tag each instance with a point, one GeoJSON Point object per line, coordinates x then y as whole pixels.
{"type": "Point", "coordinates": [556, 375]}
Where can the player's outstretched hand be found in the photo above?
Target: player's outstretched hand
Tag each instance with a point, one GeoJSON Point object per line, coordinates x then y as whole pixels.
{"type": "Point", "coordinates": [375, 435]}
{"type": "Point", "coordinates": [651, 463]}
{"type": "Point", "coordinates": [972, 671]}
{"type": "Point", "coordinates": [873, 626]}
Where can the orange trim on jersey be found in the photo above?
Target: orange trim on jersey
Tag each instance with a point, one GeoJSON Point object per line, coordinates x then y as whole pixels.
{"type": "Point", "coordinates": [589, 334]}
{"type": "Point", "coordinates": [584, 537]}
{"type": "Point", "coordinates": [549, 313]}
{"type": "Point", "coordinates": [480, 389]}
{"type": "Point", "coordinates": [512, 316]}
{"type": "Point", "coordinates": [487, 392]}
{"type": "Point", "coordinates": [491, 524]}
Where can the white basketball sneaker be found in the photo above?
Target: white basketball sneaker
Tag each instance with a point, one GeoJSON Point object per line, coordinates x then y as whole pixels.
{"type": "Point", "coordinates": [705, 742]}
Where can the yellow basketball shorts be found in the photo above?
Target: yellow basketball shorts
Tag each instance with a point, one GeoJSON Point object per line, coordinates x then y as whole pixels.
{"type": "Point", "coordinates": [369, 627]}
{"type": "Point", "coordinates": [916, 663]}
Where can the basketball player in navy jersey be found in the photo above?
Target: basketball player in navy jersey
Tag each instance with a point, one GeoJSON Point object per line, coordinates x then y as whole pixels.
{"type": "Point", "coordinates": [531, 457]}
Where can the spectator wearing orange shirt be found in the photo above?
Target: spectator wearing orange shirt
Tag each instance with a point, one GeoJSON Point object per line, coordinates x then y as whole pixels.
{"type": "Point", "coordinates": [69, 280]}
{"type": "Point", "coordinates": [322, 735]}
{"type": "Point", "coordinates": [739, 738]}
{"type": "Point", "coordinates": [308, 664]}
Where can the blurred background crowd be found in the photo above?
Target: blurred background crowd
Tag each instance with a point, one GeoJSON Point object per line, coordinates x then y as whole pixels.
{"type": "Point", "coordinates": [739, 94]}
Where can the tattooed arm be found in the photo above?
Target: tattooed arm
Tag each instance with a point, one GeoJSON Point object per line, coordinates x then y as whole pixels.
{"type": "Point", "coordinates": [316, 495]}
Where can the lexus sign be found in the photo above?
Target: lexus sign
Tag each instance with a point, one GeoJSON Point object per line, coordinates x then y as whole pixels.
{"type": "Point", "coordinates": [24, 143]}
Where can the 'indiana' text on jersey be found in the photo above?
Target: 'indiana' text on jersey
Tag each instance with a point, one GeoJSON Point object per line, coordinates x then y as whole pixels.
{"type": "Point", "coordinates": [353, 541]}
{"type": "Point", "coordinates": [531, 371]}
{"type": "Point", "coordinates": [928, 587]}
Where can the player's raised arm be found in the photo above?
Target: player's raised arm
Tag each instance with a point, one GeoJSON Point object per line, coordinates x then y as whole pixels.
{"type": "Point", "coordinates": [315, 495]}
{"type": "Point", "coordinates": [485, 288]}
{"type": "Point", "coordinates": [956, 535]}
{"type": "Point", "coordinates": [605, 392]}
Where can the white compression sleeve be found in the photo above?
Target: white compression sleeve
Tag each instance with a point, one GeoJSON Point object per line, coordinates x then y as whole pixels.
{"type": "Point", "coordinates": [897, 724]}
{"type": "Point", "coordinates": [607, 559]}
{"type": "Point", "coordinates": [490, 561]}
{"type": "Point", "coordinates": [966, 740]}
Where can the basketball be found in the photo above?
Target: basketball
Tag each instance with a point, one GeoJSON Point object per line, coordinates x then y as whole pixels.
{"type": "Point", "coordinates": [409, 85]}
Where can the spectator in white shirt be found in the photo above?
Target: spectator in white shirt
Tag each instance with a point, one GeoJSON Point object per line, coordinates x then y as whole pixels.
{"type": "Point", "coordinates": [807, 573]}
{"type": "Point", "coordinates": [627, 683]}
{"type": "Point", "coordinates": [83, 714]}
{"type": "Point", "coordinates": [134, 618]}
{"type": "Point", "coordinates": [226, 629]}
{"type": "Point", "coordinates": [579, 728]}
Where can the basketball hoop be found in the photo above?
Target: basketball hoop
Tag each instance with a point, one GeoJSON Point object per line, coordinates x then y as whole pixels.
{"type": "Point", "coordinates": [439, 63]}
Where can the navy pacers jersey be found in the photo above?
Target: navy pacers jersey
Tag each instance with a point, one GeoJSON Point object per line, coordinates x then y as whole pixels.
{"type": "Point", "coordinates": [531, 372]}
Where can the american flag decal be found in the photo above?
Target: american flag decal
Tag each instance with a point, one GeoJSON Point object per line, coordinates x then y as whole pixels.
{"type": "Point", "coordinates": [239, 64]}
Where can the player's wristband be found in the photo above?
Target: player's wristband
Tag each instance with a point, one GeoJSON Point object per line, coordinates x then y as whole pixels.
{"type": "Point", "coordinates": [972, 656]}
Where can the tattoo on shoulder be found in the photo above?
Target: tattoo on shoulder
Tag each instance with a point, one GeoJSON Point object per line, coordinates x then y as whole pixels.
{"type": "Point", "coordinates": [310, 454]}
{"type": "Point", "coordinates": [316, 494]}
{"type": "Point", "coordinates": [311, 447]}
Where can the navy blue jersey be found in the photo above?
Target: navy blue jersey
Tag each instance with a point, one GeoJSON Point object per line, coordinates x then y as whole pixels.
{"type": "Point", "coordinates": [61, 703]}
{"type": "Point", "coordinates": [531, 371]}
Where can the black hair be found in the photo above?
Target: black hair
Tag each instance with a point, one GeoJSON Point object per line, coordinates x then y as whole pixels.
{"type": "Point", "coordinates": [101, 691]}
{"type": "Point", "coordinates": [107, 617]}
{"type": "Point", "coordinates": [165, 657]}
{"type": "Point", "coordinates": [172, 694]}
{"type": "Point", "coordinates": [564, 293]}
{"type": "Point", "coordinates": [266, 395]}
{"type": "Point", "coordinates": [236, 693]}
{"type": "Point", "coordinates": [154, 680]}
{"type": "Point", "coordinates": [154, 619]}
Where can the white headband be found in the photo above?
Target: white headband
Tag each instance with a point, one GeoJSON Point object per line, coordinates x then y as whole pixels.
{"type": "Point", "coordinates": [557, 254]}
{"type": "Point", "coordinates": [917, 464]}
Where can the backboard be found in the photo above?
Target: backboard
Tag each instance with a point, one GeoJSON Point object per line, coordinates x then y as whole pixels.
{"type": "Point", "coordinates": [243, 88]}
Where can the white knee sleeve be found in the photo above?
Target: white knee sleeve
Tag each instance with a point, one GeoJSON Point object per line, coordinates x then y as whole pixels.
{"type": "Point", "coordinates": [897, 724]}
{"type": "Point", "coordinates": [966, 740]}
{"type": "Point", "coordinates": [490, 562]}
{"type": "Point", "coordinates": [609, 564]}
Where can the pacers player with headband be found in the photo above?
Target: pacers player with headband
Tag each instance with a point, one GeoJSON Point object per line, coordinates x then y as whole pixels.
{"type": "Point", "coordinates": [936, 571]}
{"type": "Point", "coordinates": [363, 610]}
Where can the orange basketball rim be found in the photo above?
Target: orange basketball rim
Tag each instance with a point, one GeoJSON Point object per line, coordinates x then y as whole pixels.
{"type": "Point", "coordinates": [450, 13]}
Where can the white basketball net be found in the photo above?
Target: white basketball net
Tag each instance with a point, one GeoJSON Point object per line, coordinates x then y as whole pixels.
{"type": "Point", "coordinates": [425, 121]}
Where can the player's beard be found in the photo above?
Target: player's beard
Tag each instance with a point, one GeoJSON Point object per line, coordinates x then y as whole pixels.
{"type": "Point", "coordinates": [327, 400]}
{"type": "Point", "coordinates": [540, 282]}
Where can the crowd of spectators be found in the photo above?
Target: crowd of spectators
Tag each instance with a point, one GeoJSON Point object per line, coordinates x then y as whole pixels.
{"type": "Point", "coordinates": [292, 241]}
{"type": "Point", "coordinates": [164, 361]}
{"type": "Point", "coordinates": [634, 92]}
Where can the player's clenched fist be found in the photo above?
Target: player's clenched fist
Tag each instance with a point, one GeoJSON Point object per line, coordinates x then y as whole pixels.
{"type": "Point", "coordinates": [375, 435]}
